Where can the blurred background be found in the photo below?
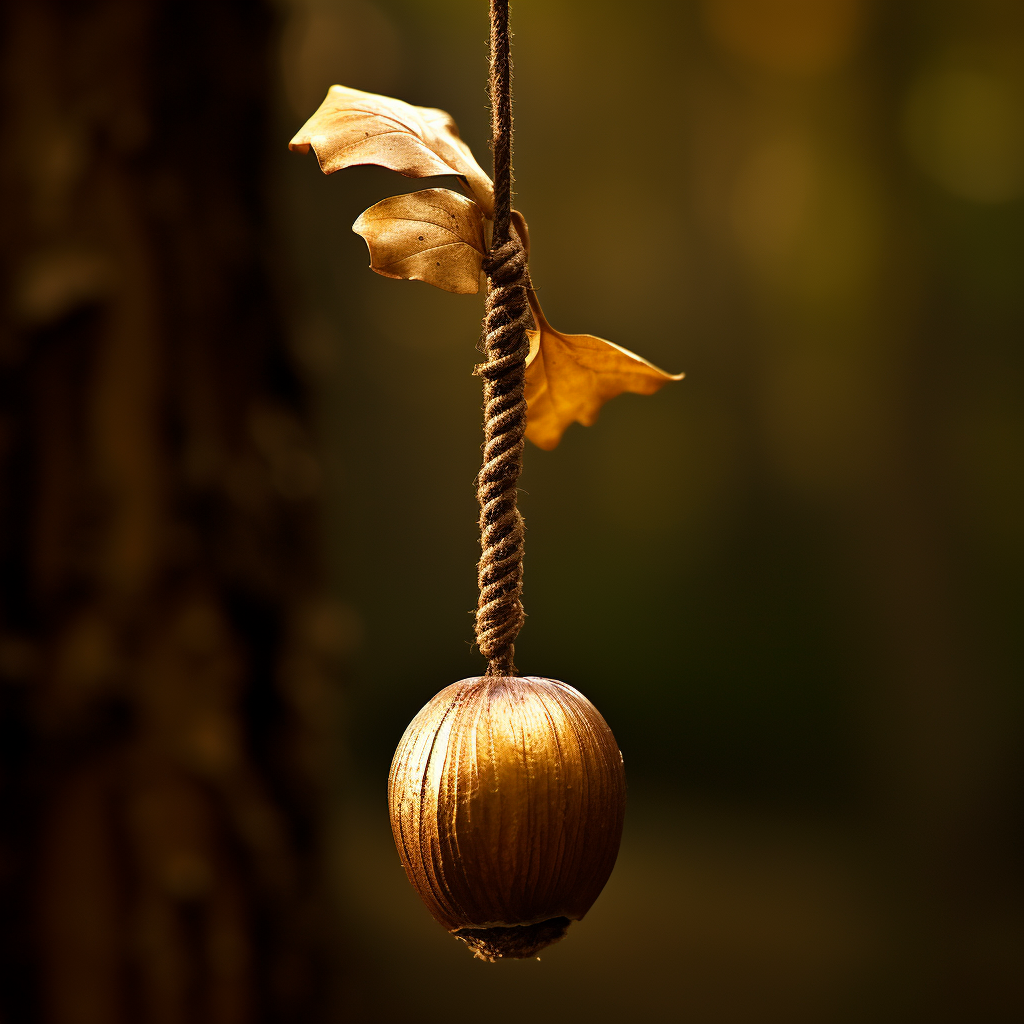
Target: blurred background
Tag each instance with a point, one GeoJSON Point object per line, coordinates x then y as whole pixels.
{"type": "Point", "coordinates": [239, 537]}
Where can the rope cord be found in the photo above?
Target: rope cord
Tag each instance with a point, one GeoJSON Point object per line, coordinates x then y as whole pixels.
{"type": "Point", "coordinates": [507, 318]}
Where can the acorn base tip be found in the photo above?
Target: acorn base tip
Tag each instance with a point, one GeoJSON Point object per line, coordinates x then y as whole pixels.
{"type": "Point", "coordinates": [518, 942]}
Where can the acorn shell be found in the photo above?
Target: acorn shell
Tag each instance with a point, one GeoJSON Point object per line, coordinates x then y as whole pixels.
{"type": "Point", "coordinates": [507, 797]}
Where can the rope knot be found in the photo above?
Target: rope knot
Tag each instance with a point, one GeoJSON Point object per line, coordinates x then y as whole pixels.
{"type": "Point", "coordinates": [506, 263]}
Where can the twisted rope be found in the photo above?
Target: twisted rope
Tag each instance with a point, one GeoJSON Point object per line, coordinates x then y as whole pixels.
{"type": "Point", "coordinates": [500, 614]}
{"type": "Point", "coordinates": [507, 317]}
{"type": "Point", "coordinates": [501, 118]}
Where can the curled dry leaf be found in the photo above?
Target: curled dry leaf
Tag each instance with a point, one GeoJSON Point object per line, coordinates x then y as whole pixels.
{"type": "Point", "coordinates": [570, 376]}
{"type": "Point", "coordinates": [522, 230]}
{"type": "Point", "coordinates": [352, 127]}
{"type": "Point", "coordinates": [434, 235]}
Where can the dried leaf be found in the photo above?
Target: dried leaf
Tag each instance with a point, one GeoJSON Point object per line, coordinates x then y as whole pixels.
{"type": "Point", "coordinates": [522, 230]}
{"type": "Point", "coordinates": [570, 376]}
{"type": "Point", "coordinates": [434, 235]}
{"type": "Point", "coordinates": [352, 127]}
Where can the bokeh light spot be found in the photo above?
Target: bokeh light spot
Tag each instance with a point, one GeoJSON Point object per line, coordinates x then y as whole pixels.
{"type": "Point", "coordinates": [966, 130]}
{"type": "Point", "coordinates": [802, 38]}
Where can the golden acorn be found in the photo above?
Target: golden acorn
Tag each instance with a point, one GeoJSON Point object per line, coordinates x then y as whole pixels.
{"type": "Point", "coordinates": [507, 796]}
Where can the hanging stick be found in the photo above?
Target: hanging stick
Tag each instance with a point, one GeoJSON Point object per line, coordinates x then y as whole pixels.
{"type": "Point", "coordinates": [507, 317]}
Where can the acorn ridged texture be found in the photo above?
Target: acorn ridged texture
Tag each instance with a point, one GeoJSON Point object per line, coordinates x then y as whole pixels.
{"type": "Point", "coordinates": [507, 797]}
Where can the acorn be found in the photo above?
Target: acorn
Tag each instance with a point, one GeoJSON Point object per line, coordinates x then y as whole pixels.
{"type": "Point", "coordinates": [507, 796]}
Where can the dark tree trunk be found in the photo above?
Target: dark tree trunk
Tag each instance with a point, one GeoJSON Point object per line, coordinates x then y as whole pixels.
{"type": "Point", "coordinates": [163, 657]}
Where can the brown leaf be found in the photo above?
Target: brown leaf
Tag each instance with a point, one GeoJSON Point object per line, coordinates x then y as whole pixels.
{"type": "Point", "coordinates": [520, 227]}
{"type": "Point", "coordinates": [570, 376]}
{"type": "Point", "coordinates": [435, 236]}
{"type": "Point", "coordinates": [352, 127]}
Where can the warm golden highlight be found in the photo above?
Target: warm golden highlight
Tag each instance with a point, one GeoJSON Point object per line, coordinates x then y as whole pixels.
{"type": "Point", "coordinates": [507, 797]}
